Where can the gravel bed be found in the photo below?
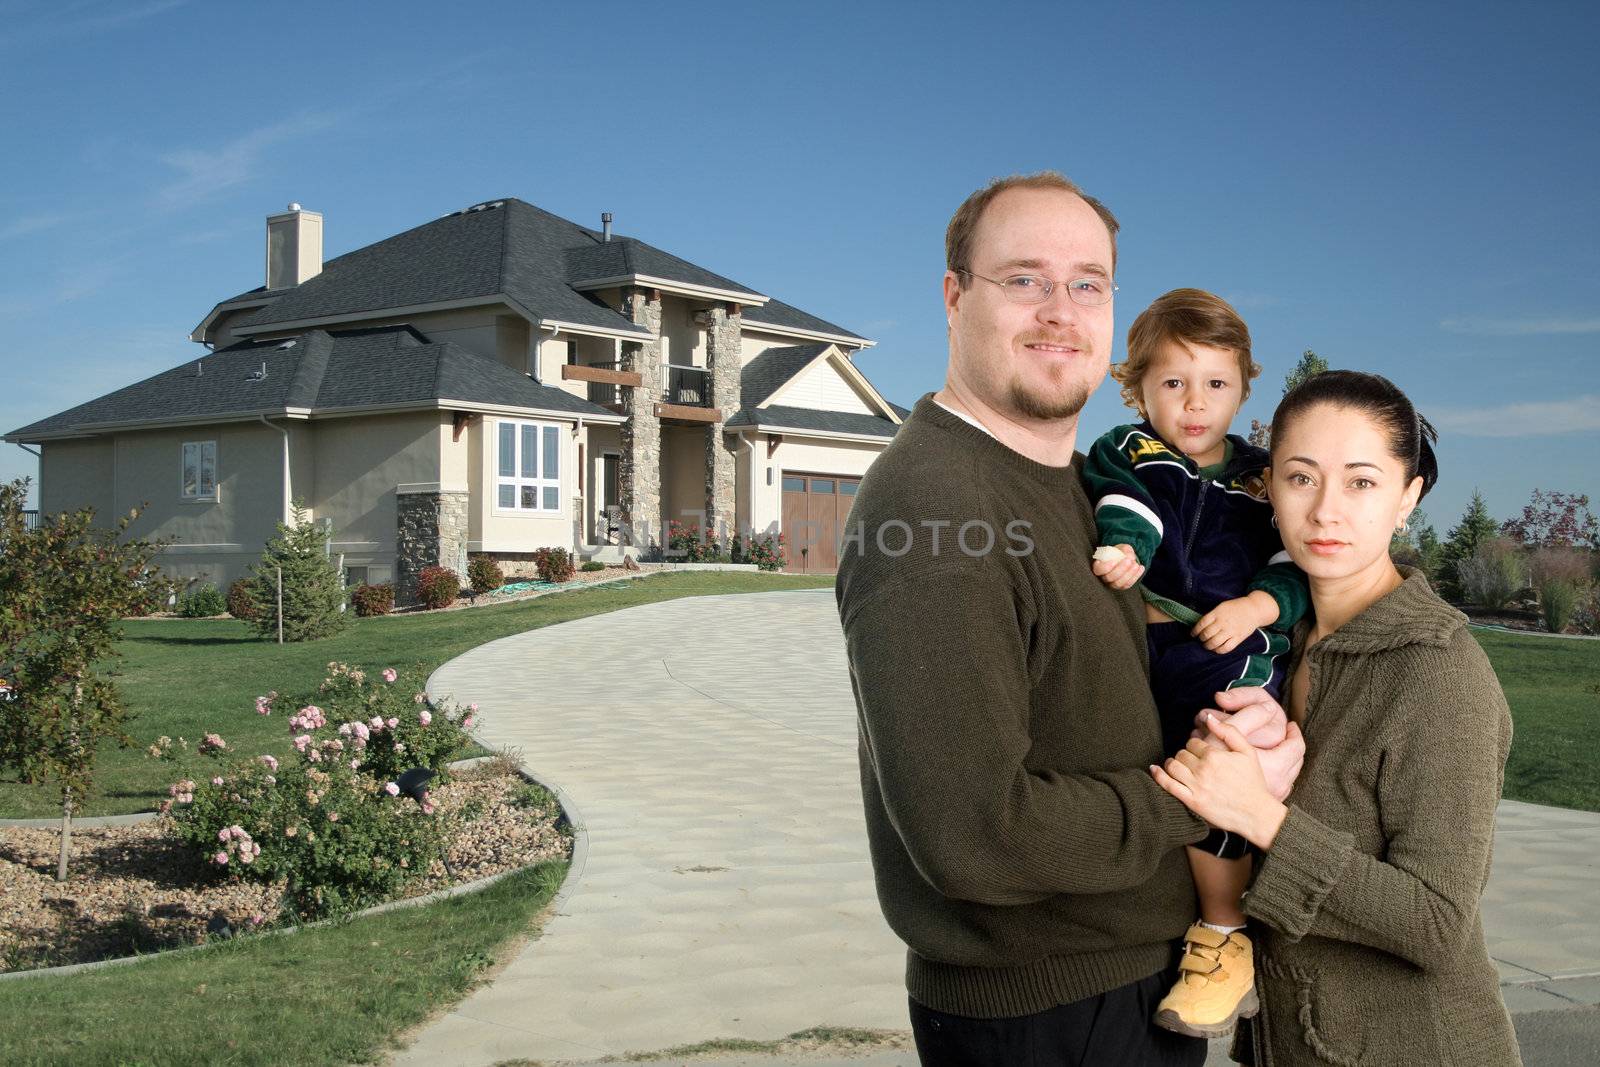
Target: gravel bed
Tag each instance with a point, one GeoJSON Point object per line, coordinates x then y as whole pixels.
{"type": "Point", "coordinates": [133, 889]}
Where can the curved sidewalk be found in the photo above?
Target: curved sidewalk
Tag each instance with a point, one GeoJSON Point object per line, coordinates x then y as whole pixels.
{"type": "Point", "coordinates": [709, 747]}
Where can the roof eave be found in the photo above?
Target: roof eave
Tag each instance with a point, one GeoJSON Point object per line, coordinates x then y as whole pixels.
{"type": "Point", "coordinates": [828, 435]}
{"type": "Point", "coordinates": [668, 285]}
{"type": "Point", "coordinates": [807, 335]}
{"type": "Point", "coordinates": [198, 334]}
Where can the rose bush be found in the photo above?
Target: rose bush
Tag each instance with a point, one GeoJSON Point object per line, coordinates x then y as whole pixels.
{"type": "Point", "coordinates": [331, 820]}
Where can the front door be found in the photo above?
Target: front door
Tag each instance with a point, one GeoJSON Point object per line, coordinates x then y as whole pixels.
{"type": "Point", "coordinates": [815, 507]}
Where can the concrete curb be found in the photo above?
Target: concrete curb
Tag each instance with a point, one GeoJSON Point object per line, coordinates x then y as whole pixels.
{"type": "Point", "coordinates": [580, 851]}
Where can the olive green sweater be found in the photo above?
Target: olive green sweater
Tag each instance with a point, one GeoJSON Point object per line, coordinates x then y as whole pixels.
{"type": "Point", "coordinates": [1021, 849]}
{"type": "Point", "coordinates": [1369, 942]}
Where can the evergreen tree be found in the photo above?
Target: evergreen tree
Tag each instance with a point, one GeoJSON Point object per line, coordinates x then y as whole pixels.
{"type": "Point", "coordinates": [1418, 546]}
{"type": "Point", "coordinates": [1476, 527]}
{"type": "Point", "coordinates": [1310, 366]}
{"type": "Point", "coordinates": [313, 589]}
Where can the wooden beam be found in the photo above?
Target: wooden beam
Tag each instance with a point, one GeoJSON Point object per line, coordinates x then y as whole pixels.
{"type": "Point", "coordinates": [576, 372]}
{"type": "Point", "coordinates": [459, 421]}
{"type": "Point", "coordinates": [686, 413]}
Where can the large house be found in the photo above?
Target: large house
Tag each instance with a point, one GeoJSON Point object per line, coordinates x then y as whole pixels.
{"type": "Point", "coordinates": [494, 381]}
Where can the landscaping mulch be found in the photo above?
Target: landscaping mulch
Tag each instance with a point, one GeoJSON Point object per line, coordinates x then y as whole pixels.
{"type": "Point", "coordinates": [135, 889]}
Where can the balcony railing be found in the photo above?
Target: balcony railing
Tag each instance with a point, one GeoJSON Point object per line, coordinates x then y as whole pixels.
{"type": "Point", "coordinates": [690, 386]}
{"type": "Point", "coordinates": [30, 520]}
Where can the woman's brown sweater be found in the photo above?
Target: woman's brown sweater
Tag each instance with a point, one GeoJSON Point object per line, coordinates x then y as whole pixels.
{"type": "Point", "coordinates": [1369, 942]}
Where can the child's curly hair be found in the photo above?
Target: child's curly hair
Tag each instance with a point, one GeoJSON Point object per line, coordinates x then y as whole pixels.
{"type": "Point", "coordinates": [1191, 316]}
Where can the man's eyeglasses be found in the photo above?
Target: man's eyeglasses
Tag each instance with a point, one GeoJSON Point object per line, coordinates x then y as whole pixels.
{"type": "Point", "coordinates": [1036, 289]}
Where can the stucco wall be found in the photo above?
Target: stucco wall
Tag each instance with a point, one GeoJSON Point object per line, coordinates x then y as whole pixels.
{"type": "Point", "coordinates": [76, 474]}
{"type": "Point", "coordinates": [357, 463]}
{"type": "Point", "coordinates": [601, 439]}
{"type": "Point", "coordinates": [683, 473]}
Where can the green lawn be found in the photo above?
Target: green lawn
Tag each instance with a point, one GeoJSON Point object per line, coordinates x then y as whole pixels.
{"type": "Point", "coordinates": [187, 678]}
{"type": "Point", "coordinates": [1553, 687]}
{"type": "Point", "coordinates": [331, 995]}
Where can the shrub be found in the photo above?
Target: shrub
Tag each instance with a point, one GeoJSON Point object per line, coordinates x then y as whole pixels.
{"type": "Point", "coordinates": [686, 543]}
{"type": "Point", "coordinates": [202, 602]}
{"type": "Point", "coordinates": [241, 600]}
{"type": "Point", "coordinates": [1558, 598]}
{"type": "Point", "coordinates": [329, 818]}
{"type": "Point", "coordinates": [1586, 613]}
{"type": "Point", "coordinates": [1494, 574]}
{"type": "Point", "coordinates": [1573, 565]}
{"type": "Point", "coordinates": [337, 837]}
{"type": "Point", "coordinates": [554, 564]}
{"type": "Point", "coordinates": [764, 550]}
{"type": "Point", "coordinates": [313, 588]}
{"type": "Point", "coordinates": [373, 599]}
{"type": "Point", "coordinates": [593, 565]}
{"type": "Point", "coordinates": [485, 574]}
{"type": "Point", "coordinates": [438, 587]}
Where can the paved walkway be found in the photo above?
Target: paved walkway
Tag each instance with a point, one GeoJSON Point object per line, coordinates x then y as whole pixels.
{"type": "Point", "coordinates": [707, 747]}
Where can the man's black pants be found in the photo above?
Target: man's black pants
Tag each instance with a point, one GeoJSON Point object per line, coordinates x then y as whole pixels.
{"type": "Point", "coordinates": [1111, 1030]}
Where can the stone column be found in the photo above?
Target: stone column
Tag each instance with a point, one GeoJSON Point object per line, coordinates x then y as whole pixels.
{"type": "Point", "coordinates": [723, 346]}
{"type": "Point", "coordinates": [639, 471]}
{"type": "Point", "coordinates": [431, 531]}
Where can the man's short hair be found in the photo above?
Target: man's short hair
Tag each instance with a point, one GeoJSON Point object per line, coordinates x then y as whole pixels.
{"type": "Point", "coordinates": [1191, 317]}
{"type": "Point", "coordinates": [958, 236]}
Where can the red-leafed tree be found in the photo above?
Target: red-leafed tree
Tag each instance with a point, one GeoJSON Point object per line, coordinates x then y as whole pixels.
{"type": "Point", "coordinates": [1555, 520]}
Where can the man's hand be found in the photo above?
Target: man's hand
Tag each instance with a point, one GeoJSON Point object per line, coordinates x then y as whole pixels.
{"type": "Point", "coordinates": [1117, 573]}
{"type": "Point", "coordinates": [1253, 712]}
{"type": "Point", "coordinates": [1224, 626]}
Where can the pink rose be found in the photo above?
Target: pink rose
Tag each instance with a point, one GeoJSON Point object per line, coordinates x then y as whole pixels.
{"type": "Point", "coordinates": [224, 833]}
{"type": "Point", "coordinates": [302, 741]}
{"type": "Point", "coordinates": [389, 674]}
{"type": "Point", "coordinates": [354, 764]}
{"type": "Point", "coordinates": [376, 722]}
{"type": "Point", "coordinates": [420, 697]}
{"type": "Point", "coordinates": [424, 717]}
{"type": "Point", "coordinates": [427, 807]}
{"type": "Point", "coordinates": [393, 723]}
{"type": "Point", "coordinates": [466, 724]}
{"type": "Point", "coordinates": [217, 780]}
{"type": "Point", "coordinates": [271, 762]}
{"type": "Point", "coordinates": [472, 707]}
{"type": "Point", "coordinates": [246, 857]}
{"type": "Point", "coordinates": [392, 789]}
{"type": "Point", "coordinates": [333, 816]}
{"type": "Point", "coordinates": [221, 859]}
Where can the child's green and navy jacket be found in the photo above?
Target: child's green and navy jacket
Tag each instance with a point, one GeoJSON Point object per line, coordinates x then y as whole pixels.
{"type": "Point", "coordinates": [1203, 534]}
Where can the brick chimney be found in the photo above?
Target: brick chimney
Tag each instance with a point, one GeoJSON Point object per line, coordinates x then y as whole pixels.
{"type": "Point", "coordinates": [294, 247]}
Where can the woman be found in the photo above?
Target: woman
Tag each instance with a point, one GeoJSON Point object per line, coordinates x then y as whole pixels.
{"type": "Point", "coordinates": [1369, 944]}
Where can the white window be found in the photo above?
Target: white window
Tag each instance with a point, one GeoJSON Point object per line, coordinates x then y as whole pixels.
{"type": "Point", "coordinates": [528, 467]}
{"type": "Point", "coordinates": [199, 470]}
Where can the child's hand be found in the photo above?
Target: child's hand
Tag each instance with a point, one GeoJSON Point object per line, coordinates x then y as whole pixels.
{"type": "Point", "coordinates": [1118, 573]}
{"type": "Point", "coordinates": [1224, 626]}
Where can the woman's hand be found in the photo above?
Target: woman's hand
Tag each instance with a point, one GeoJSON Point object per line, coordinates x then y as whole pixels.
{"type": "Point", "coordinates": [1224, 785]}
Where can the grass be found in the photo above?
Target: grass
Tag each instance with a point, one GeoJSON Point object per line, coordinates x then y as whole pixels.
{"type": "Point", "coordinates": [186, 678]}
{"type": "Point", "coordinates": [1553, 687]}
{"type": "Point", "coordinates": [327, 995]}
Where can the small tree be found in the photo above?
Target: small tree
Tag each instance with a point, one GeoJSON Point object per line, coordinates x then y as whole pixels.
{"type": "Point", "coordinates": [1555, 520]}
{"type": "Point", "coordinates": [64, 588]}
{"type": "Point", "coordinates": [1418, 546]}
{"type": "Point", "coordinates": [1461, 543]}
{"type": "Point", "coordinates": [1310, 366]}
{"type": "Point", "coordinates": [313, 589]}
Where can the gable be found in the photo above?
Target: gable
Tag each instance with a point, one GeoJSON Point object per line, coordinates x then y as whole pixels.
{"type": "Point", "coordinates": [822, 387]}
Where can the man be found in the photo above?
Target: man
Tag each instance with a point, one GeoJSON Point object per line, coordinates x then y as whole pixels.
{"type": "Point", "coordinates": [1020, 846]}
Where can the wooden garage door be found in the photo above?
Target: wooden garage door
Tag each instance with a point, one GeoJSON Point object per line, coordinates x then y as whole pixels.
{"type": "Point", "coordinates": [815, 507]}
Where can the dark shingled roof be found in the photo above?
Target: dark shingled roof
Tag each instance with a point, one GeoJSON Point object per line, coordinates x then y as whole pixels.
{"type": "Point", "coordinates": [812, 419]}
{"type": "Point", "coordinates": [768, 372]}
{"type": "Point", "coordinates": [513, 249]}
{"type": "Point", "coordinates": [388, 367]}
{"type": "Point", "coordinates": [625, 255]}
{"type": "Point", "coordinates": [777, 313]}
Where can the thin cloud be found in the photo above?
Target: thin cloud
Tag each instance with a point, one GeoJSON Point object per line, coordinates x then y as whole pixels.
{"type": "Point", "coordinates": [31, 224]}
{"type": "Point", "coordinates": [1539, 418]}
{"type": "Point", "coordinates": [1521, 327]}
{"type": "Point", "coordinates": [76, 20]}
{"type": "Point", "coordinates": [205, 172]}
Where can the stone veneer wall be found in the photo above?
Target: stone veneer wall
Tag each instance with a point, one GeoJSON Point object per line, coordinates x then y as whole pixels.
{"type": "Point", "coordinates": [639, 471]}
{"type": "Point", "coordinates": [723, 345]}
{"type": "Point", "coordinates": [432, 531]}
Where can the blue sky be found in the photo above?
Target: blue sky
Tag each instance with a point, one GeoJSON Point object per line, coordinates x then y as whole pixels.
{"type": "Point", "coordinates": [1406, 191]}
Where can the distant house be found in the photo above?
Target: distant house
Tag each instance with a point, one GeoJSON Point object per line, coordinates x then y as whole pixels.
{"type": "Point", "coordinates": [494, 381]}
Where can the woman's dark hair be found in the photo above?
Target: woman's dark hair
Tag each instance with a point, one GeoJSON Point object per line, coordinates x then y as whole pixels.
{"type": "Point", "coordinates": [1411, 437]}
